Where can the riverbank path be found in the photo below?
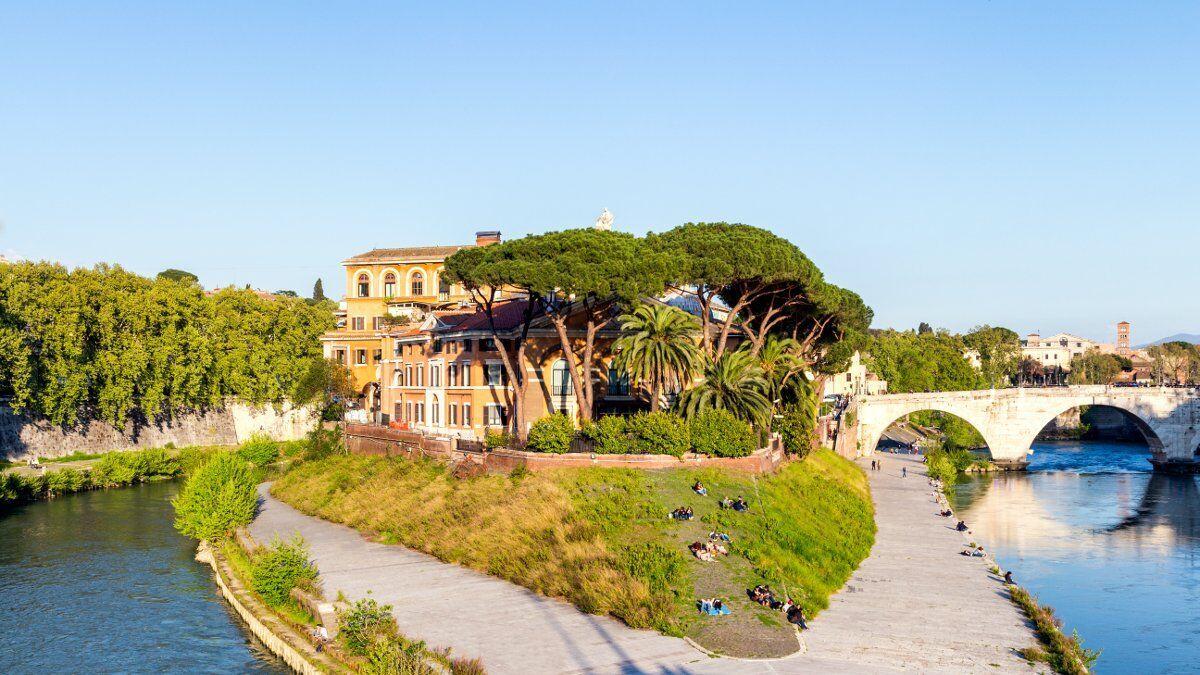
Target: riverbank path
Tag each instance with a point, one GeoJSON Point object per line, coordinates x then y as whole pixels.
{"type": "Point", "coordinates": [915, 604]}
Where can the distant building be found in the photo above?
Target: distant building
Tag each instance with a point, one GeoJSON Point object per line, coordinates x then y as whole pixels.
{"type": "Point", "coordinates": [1123, 339]}
{"type": "Point", "coordinates": [1056, 351]}
{"type": "Point", "coordinates": [854, 381]}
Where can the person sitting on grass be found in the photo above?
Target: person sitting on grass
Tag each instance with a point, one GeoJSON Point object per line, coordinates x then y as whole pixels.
{"type": "Point", "coordinates": [727, 503]}
{"type": "Point", "coordinates": [762, 595]}
{"type": "Point", "coordinates": [795, 616]}
{"type": "Point", "coordinates": [740, 505]}
{"type": "Point", "coordinates": [715, 536]}
{"type": "Point", "coordinates": [715, 548]}
{"type": "Point", "coordinates": [699, 488]}
{"type": "Point", "coordinates": [701, 551]}
{"type": "Point", "coordinates": [713, 607]}
{"type": "Point", "coordinates": [683, 513]}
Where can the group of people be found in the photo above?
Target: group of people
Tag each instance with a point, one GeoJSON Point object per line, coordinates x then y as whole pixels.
{"type": "Point", "coordinates": [738, 504]}
{"type": "Point", "coordinates": [877, 465]}
{"type": "Point", "coordinates": [709, 550]}
{"type": "Point", "coordinates": [976, 552]}
{"type": "Point", "coordinates": [683, 513]}
{"type": "Point", "coordinates": [763, 595]}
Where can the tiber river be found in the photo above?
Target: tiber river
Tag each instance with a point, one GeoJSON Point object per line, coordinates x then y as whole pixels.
{"type": "Point", "coordinates": [100, 582]}
{"type": "Point", "coordinates": [1114, 548]}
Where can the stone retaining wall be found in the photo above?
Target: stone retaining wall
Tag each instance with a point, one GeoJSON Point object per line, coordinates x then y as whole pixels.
{"type": "Point", "coordinates": [22, 436]}
{"type": "Point", "coordinates": [363, 439]}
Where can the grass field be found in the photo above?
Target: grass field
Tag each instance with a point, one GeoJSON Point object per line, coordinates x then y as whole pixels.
{"type": "Point", "coordinates": [601, 538]}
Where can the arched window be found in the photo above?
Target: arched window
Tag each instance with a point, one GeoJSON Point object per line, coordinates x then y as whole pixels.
{"type": "Point", "coordinates": [398, 378]}
{"type": "Point", "coordinates": [417, 284]}
{"type": "Point", "coordinates": [560, 379]}
{"type": "Point", "coordinates": [364, 285]}
{"type": "Point", "coordinates": [389, 285]}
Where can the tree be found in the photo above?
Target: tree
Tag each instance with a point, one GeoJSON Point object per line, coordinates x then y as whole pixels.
{"type": "Point", "coordinates": [740, 264]}
{"type": "Point", "coordinates": [181, 276]}
{"type": "Point", "coordinates": [577, 278]}
{"type": "Point", "coordinates": [916, 362]}
{"type": "Point", "coordinates": [1030, 371]}
{"type": "Point", "coordinates": [733, 382]}
{"type": "Point", "coordinates": [1175, 362]}
{"type": "Point", "coordinates": [924, 329]}
{"type": "Point", "coordinates": [781, 365]}
{"type": "Point", "coordinates": [657, 347]}
{"type": "Point", "coordinates": [318, 290]}
{"type": "Point", "coordinates": [999, 352]}
{"type": "Point", "coordinates": [1094, 367]}
{"type": "Point", "coordinates": [286, 294]}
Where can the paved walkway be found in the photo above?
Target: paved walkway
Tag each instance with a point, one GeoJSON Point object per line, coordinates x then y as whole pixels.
{"type": "Point", "coordinates": [914, 605]}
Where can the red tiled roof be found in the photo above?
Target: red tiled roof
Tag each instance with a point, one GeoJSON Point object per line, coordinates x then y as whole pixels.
{"type": "Point", "coordinates": [412, 253]}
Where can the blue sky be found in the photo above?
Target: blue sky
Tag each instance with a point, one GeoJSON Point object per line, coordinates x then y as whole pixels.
{"type": "Point", "coordinates": [1032, 165]}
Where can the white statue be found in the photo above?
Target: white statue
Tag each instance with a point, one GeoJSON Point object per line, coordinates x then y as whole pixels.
{"type": "Point", "coordinates": [605, 221]}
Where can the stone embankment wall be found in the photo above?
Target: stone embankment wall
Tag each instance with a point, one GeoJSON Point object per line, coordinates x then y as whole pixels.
{"type": "Point", "coordinates": [22, 436]}
{"type": "Point", "coordinates": [366, 439]}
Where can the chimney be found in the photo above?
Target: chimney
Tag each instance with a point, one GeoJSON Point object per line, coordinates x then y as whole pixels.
{"type": "Point", "coordinates": [487, 237]}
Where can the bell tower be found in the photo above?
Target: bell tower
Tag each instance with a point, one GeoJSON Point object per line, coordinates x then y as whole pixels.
{"type": "Point", "coordinates": [1123, 339]}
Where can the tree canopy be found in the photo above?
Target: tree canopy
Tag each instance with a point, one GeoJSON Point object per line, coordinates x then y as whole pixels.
{"type": "Point", "coordinates": [1095, 367]}
{"type": "Point", "coordinates": [914, 362]}
{"type": "Point", "coordinates": [183, 276]}
{"type": "Point", "coordinates": [1175, 362]}
{"type": "Point", "coordinates": [999, 351]}
{"type": "Point", "coordinates": [103, 343]}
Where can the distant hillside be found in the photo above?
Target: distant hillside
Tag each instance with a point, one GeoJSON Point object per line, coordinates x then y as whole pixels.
{"type": "Point", "coordinates": [1178, 337]}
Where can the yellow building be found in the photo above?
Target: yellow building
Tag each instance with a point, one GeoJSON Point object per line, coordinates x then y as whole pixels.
{"type": "Point", "coordinates": [386, 287]}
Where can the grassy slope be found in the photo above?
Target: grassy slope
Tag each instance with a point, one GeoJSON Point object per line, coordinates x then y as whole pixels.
{"type": "Point", "coordinates": [601, 539]}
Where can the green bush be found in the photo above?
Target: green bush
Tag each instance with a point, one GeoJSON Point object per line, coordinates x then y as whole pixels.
{"type": "Point", "coordinates": [322, 443]}
{"type": "Point", "coordinates": [797, 427]}
{"type": "Point", "coordinates": [280, 567]}
{"type": "Point", "coordinates": [67, 481]}
{"type": "Point", "coordinates": [610, 436]}
{"type": "Point", "coordinates": [364, 624]}
{"type": "Point", "coordinates": [659, 433]}
{"type": "Point", "coordinates": [218, 498]}
{"type": "Point", "coordinates": [552, 434]}
{"type": "Point", "coordinates": [260, 450]}
{"type": "Point", "coordinates": [192, 457]}
{"type": "Point", "coordinates": [398, 657]}
{"type": "Point", "coordinates": [496, 440]}
{"type": "Point", "coordinates": [124, 468]}
{"type": "Point", "coordinates": [717, 433]}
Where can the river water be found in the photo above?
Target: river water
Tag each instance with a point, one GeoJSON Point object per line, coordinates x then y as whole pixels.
{"type": "Point", "coordinates": [1114, 548]}
{"type": "Point", "coordinates": [100, 582]}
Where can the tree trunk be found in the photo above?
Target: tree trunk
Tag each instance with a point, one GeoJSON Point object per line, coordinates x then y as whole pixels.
{"type": "Point", "coordinates": [573, 365]}
{"type": "Point", "coordinates": [655, 393]}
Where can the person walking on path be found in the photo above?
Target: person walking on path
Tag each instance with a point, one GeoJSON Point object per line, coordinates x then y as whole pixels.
{"type": "Point", "coordinates": [904, 472]}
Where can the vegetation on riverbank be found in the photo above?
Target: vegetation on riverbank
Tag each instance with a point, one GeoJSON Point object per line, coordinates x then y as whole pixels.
{"type": "Point", "coordinates": [1065, 653]}
{"type": "Point", "coordinates": [602, 539]}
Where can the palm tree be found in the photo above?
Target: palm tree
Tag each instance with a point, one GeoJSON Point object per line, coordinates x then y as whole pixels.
{"type": "Point", "coordinates": [781, 363]}
{"type": "Point", "coordinates": [658, 347]}
{"type": "Point", "coordinates": [734, 382]}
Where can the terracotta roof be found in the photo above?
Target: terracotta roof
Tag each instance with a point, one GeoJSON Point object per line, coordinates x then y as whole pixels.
{"type": "Point", "coordinates": [509, 314]}
{"type": "Point", "coordinates": [412, 253]}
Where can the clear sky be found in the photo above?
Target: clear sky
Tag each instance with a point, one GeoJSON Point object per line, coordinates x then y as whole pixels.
{"type": "Point", "coordinates": [1032, 165]}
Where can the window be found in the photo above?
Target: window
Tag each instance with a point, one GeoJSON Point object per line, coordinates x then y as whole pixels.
{"type": "Point", "coordinates": [420, 412]}
{"type": "Point", "coordinates": [452, 375]}
{"type": "Point", "coordinates": [399, 411]}
{"type": "Point", "coordinates": [357, 323]}
{"type": "Point", "coordinates": [435, 375]}
{"type": "Point", "coordinates": [389, 285]}
{"type": "Point", "coordinates": [377, 323]}
{"type": "Point", "coordinates": [466, 373]}
{"type": "Point", "coordinates": [495, 374]}
{"type": "Point", "coordinates": [437, 346]}
{"type": "Point", "coordinates": [560, 379]}
{"type": "Point", "coordinates": [443, 289]}
{"type": "Point", "coordinates": [364, 286]}
{"type": "Point", "coordinates": [494, 415]}
{"type": "Point", "coordinates": [409, 416]}
{"type": "Point", "coordinates": [848, 377]}
{"type": "Point", "coordinates": [396, 349]}
{"type": "Point", "coordinates": [408, 381]}
{"type": "Point", "coordinates": [339, 355]}
{"type": "Point", "coordinates": [487, 345]}
{"type": "Point", "coordinates": [435, 414]}
{"type": "Point", "coordinates": [360, 357]}
{"type": "Point", "coordinates": [417, 284]}
{"type": "Point", "coordinates": [466, 345]}
{"type": "Point", "coordinates": [377, 356]}
{"type": "Point", "coordinates": [618, 382]}
{"type": "Point", "coordinates": [420, 375]}
{"type": "Point", "coordinates": [398, 381]}
{"type": "Point", "coordinates": [466, 414]}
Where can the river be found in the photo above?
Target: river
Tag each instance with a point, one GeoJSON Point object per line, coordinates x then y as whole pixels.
{"type": "Point", "coordinates": [101, 582]}
{"type": "Point", "coordinates": [1114, 548]}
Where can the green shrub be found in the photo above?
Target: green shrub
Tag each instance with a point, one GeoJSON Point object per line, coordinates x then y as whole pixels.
{"type": "Point", "coordinates": [260, 450]}
{"type": "Point", "coordinates": [659, 433]}
{"type": "Point", "coordinates": [125, 468]}
{"type": "Point", "coordinates": [397, 656]}
{"type": "Point", "coordinates": [552, 434]}
{"type": "Point", "coordinates": [322, 443]}
{"type": "Point", "coordinates": [496, 440]}
{"type": "Point", "coordinates": [280, 567]}
{"type": "Point", "coordinates": [717, 433]}
{"type": "Point", "coordinates": [67, 481]}
{"type": "Point", "coordinates": [660, 567]}
{"type": "Point", "coordinates": [192, 457]}
{"type": "Point", "coordinates": [365, 623]}
{"type": "Point", "coordinates": [218, 498]}
{"type": "Point", "coordinates": [610, 436]}
{"type": "Point", "coordinates": [797, 427]}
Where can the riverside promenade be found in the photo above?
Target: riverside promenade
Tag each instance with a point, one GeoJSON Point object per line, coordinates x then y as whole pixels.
{"type": "Point", "coordinates": [915, 604]}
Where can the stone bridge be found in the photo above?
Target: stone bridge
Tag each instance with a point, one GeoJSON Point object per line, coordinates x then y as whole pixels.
{"type": "Point", "coordinates": [1010, 419]}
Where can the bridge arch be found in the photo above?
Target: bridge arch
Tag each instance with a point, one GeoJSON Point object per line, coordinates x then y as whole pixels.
{"type": "Point", "coordinates": [875, 420]}
{"type": "Point", "coordinates": [1145, 427]}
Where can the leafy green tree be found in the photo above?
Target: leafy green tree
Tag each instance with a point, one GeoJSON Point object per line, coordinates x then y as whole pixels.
{"type": "Point", "coordinates": [735, 383]}
{"type": "Point", "coordinates": [657, 347]}
{"type": "Point", "coordinates": [1175, 362]}
{"type": "Point", "coordinates": [917, 362]}
{"type": "Point", "coordinates": [924, 329]}
{"type": "Point", "coordinates": [181, 276]}
{"type": "Point", "coordinates": [999, 352]}
{"type": "Point", "coordinates": [717, 432]}
{"type": "Point", "coordinates": [1094, 367]}
{"type": "Point", "coordinates": [318, 290]}
{"type": "Point", "coordinates": [217, 499]}
{"type": "Point", "coordinates": [286, 294]}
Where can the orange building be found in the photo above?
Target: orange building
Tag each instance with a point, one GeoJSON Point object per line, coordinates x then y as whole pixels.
{"type": "Point", "coordinates": [387, 287]}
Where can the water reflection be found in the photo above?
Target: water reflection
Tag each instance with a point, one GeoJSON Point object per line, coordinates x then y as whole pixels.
{"type": "Point", "coordinates": [1113, 547]}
